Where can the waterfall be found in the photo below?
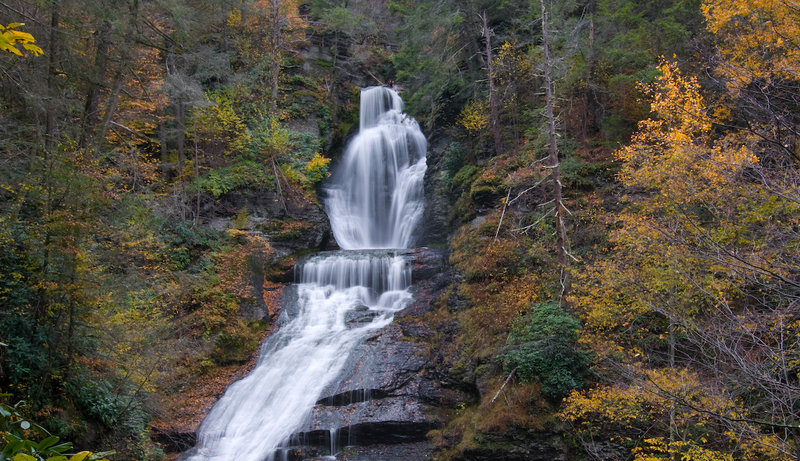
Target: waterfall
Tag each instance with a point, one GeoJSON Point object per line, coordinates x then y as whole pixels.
{"type": "Point", "coordinates": [374, 201]}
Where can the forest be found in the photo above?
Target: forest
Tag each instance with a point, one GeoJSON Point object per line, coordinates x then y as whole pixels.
{"type": "Point", "coordinates": [616, 184]}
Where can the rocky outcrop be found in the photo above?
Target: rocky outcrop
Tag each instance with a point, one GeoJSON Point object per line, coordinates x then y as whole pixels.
{"type": "Point", "coordinates": [518, 444]}
{"type": "Point", "coordinates": [435, 228]}
{"type": "Point", "coordinates": [381, 405]}
{"type": "Point", "coordinates": [300, 225]}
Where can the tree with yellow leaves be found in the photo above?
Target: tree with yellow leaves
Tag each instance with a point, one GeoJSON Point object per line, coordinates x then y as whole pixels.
{"type": "Point", "coordinates": [695, 287]}
{"type": "Point", "coordinates": [757, 44]}
{"type": "Point", "coordinates": [759, 39]}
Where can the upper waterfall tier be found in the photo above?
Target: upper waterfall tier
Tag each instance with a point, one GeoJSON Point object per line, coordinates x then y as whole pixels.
{"type": "Point", "coordinates": [375, 199]}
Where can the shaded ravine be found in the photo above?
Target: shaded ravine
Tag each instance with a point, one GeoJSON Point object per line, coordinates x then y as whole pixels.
{"type": "Point", "coordinates": [339, 300]}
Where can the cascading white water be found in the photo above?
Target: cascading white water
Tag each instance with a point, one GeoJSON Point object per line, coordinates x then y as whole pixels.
{"type": "Point", "coordinates": [375, 201]}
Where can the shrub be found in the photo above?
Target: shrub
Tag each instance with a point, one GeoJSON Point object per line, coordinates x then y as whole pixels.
{"type": "Point", "coordinates": [317, 168]}
{"type": "Point", "coordinates": [238, 175]}
{"type": "Point", "coordinates": [486, 189]}
{"type": "Point", "coordinates": [463, 178]}
{"type": "Point", "coordinates": [15, 432]}
{"type": "Point", "coordinates": [453, 162]}
{"type": "Point", "coordinates": [543, 346]}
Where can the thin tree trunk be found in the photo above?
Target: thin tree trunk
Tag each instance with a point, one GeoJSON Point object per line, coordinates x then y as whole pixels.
{"type": "Point", "coordinates": [275, 64]}
{"type": "Point", "coordinates": [555, 166]}
{"type": "Point", "coordinates": [510, 375]}
{"type": "Point", "coordinates": [672, 427]}
{"type": "Point", "coordinates": [469, 35]}
{"type": "Point", "coordinates": [276, 172]}
{"type": "Point", "coordinates": [50, 117]}
{"type": "Point", "coordinates": [502, 215]}
{"type": "Point", "coordinates": [588, 104]}
{"type": "Point", "coordinates": [493, 103]}
{"type": "Point", "coordinates": [96, 82]}
{"type": "Point", "coordinates": [111, 106]}
{"type": "Point", "coordinates": [196, 176]}
{"type": "Point", "coordinates": [71, 316]}
{"type": "Point", "coordinates": [180, 127]}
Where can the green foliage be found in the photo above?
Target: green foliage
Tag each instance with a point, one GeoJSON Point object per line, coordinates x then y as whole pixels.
{"type": "Point", "coordinates": [219, 127]}
{"type": "Point", "coordinates": [339, 20]}
{"type": "Point", "coordinates": [454, 157]}
{"type": "Point", "coordinates": [428, 62]}
{"type": "Point", "coordinates": [241, 219]}
{"type": "Point", "coordinates": [317, 169]}
{"type": "Point", "coordinates": [486, 189]}
{"type": "Point", "coordinates": [632, 35]}
{"type": "Point", "coordinates": [543, 346]}
{"type": "Point", "coordinates": [237, 342]}
{"type": "Point", "coordinates": [580, 175]}
{"type": "Point", "coordinates": [116, 406]}
{"type": "Point", "coordinates": [17, 444]}
{"type": "Point", "coordinates": [304, 147]}
{"type": "Point", "coordinates": [185, 244]}
{"type": "Point", "coordinates": [242, 174]}
{"type": "Point", "coordinates": [463, 177]}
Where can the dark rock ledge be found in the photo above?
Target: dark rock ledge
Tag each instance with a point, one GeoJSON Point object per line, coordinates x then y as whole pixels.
{"type": "Point", "coordinates": [381, 405]}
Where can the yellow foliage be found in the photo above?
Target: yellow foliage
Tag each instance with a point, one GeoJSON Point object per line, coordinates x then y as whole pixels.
{"type": "Point", "coordinates": [657, 403]}
{"type": "Point", "coordinates": [511, 65]}
{"type": "Point", "coordinates": [317, 168]}
{"type": "Point", "coordinates": [10, 38]}
{"type": "Point", "coordinates": [234, 17]}
{"type": "Point", "coordinates": [219, 126]}
{"type": "Point", "coordinates": [671, 151]}
{"type": "Point", "coordinates": [759, 39]}
{"type": "Point", "coordinates": [474, 117]}
{"type": "Point", "coordinates": [674, 268]}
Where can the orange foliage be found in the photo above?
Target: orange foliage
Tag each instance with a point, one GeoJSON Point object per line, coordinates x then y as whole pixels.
{"type": "Point", "coordinates": [234, 267]}
{"type": "Point", "coordinates": [759, 39]}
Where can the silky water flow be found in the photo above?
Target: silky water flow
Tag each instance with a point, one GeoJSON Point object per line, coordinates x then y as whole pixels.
{"type": "Point", "coordinates": [374, 202]}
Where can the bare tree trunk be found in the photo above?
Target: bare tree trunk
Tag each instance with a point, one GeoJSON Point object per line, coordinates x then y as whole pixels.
{"type": "Point", "coordinates": [96, 82]}
{"type": "Point", "coordinates": [196, 176]}
{"type": "Point", "coordinates": [588, 98]}
{"type": "Point", "coordinates": [493, 103]}
{"type": "Point", "coordinates": [555, 166]}
{"type": "Point", "coordinates": [468, 32]}
{"type": "Point", "coordinates": [180, 127]}
{"type": "Point", "coordinates": [110, 107]}
{"type": "Point", "coordinates": [672, 428]}
{"type": "Point", "coordinates": [178, 111]}
{"type": "Point", "coordinates": [50, 117]}
{"type": "Point", "coordinates": [278, 185]}
{"type": "Point", "coordinates": [275, 64]}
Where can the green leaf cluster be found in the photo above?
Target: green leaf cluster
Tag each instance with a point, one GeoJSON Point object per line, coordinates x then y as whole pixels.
{"type": "Point", "coordinates": [242, 174]}
{"type": "Point", "coordinates": [16, 430]}
{"type": "Point", "coordinates": [543, 346]}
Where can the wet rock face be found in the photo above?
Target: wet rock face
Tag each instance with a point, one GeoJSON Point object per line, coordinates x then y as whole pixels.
{"type": "Point", "coordinates": [435, 226]}
{"type": "Point", "coordinates": [301, 225]}
{"type": "Point", "coordinates": [381, 397]}
{"type": "Point", "coordinates": [381, 404]}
